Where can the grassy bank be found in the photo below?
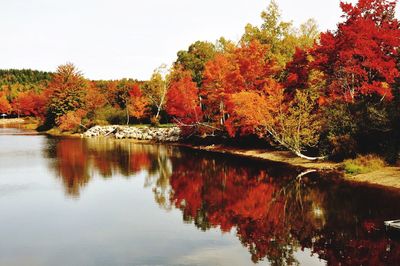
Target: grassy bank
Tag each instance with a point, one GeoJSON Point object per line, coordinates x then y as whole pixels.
{"type": "Point", "coordinates": [59, 133]}
{"type": "Point", "coordinates": [371, 169]}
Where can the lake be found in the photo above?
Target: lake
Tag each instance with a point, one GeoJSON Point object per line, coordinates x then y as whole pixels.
{"type": "Point", "coordinates": [68, 201]}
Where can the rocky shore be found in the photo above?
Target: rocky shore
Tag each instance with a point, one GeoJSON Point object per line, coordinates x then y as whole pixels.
{"type": "Point", "coordinates": [171, 134]}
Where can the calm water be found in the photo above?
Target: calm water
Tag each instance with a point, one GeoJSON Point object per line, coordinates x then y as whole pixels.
{"type": "Point", "coordinates": [105, 202]}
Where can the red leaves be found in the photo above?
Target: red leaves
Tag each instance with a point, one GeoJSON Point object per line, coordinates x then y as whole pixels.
{"type": "Point", "coordinates": [377, 10]}
{"type": "Point", "coordinates": [30, 104]}
{"type": "Point", "coordinates": [135, 91]}
{"type": "Point", "coordinates": [183, 100]}
{"type": "Point", "coordinates": [298, 70]}
{"type": "Point", "coordinates": [359, 59]}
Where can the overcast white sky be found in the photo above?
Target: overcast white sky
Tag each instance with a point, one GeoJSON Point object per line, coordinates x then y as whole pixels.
{"type": "Point", "coordinates": [111, 39]}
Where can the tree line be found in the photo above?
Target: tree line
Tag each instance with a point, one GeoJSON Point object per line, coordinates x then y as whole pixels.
{"type": "Point", "coordinates": [333, 93]}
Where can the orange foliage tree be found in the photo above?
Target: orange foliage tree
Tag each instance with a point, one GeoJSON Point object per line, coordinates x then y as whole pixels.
{"type": "Point", "coordinates": [247, 68]}
{"type": "Point", "coordinates": [72, 120]}
{"type": "Point", "coordinates": [253, 111]}
{"type": "Point", "coordinates": [30, 103]}
{"type": "Point", "coordinates": [94, 99]}
{"type": "Point", "coordinates": [183, 100]}
{"type": "Point", "coordinates": [5, 106]}
{"type": "Point", "coordinates": [137, 104]}
{"type": "Point", "coordinates": [66, 92]}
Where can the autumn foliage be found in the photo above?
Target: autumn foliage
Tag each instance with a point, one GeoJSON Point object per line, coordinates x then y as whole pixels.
{"type": "Point", "coordinates": [5, 106]}
{"type": "Point", "coordinates": [360, 57]}
{"type": "Point", "coordinates": [137, 104]}
{"type": "Point", "coordinates": [30, 104]}
{"type": "Point", "coordinates": [247, 68]}
{"type": "Point", "coordinates": [252, 89]}
{"type": "Point", "coordinates": [306, 91]}
{"type": "Point", "coordinates": [183, 100]}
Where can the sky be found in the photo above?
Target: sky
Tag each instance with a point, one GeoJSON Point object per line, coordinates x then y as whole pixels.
{"type": "Point", "coordinates": [112, 39]}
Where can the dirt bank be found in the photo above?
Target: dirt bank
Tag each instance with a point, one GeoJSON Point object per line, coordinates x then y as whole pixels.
{"type": "Point", "coordinates": [387, 177]}
{"type": "Point", "coordinates": [270, 155]}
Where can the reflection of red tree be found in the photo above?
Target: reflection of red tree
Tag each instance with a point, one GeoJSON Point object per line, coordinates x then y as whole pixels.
{"type": "Point", "coordinates": [103, 165]}
{"type": "Point", "coordinates": [227, 197]}
{"type": "Point", "coordinates": [270, 215]}
{"type": "Point", "coordinates": [77, 158]}
{"type": "Point", "coordinates": [363, 249]}
{"type": "Point", "coordinates": [72, 165]}
{"type": "Point", "coordinates": [187, 191]}
{"type": "Point", "coordinates": [139, 161]}
{"type": "Point", "coordinates": [273, 220]}
{"type": "Point", "coordinates": [110, 157]}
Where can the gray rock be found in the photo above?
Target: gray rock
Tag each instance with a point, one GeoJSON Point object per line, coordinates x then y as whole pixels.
{"type": "Point", "coordinates": [143, 133]}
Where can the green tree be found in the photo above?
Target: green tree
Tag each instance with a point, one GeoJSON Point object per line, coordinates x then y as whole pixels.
{"type": "Point", "coordinates": [122, 96]}
{"type": "Point", "coordinates": [280, 35]}
{"type": "Point", "coordinates": [155, 90]}
{"type": "Point", "coordinates": [195, 58]}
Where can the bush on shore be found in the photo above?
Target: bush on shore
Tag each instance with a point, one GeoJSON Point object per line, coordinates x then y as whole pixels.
{"type": "Point", "coordinates": [363, 164]}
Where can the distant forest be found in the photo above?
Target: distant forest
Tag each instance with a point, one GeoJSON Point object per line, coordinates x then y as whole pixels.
{"type": "Point", "coordinates": [23, 76]}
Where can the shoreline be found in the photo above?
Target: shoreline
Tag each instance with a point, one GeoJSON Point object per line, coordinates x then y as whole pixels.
{"type": "Point", "coordinates": [387, 177]}
{"type": "Point", "coordinates": [277, 156]}
{"type": "Point", "coordinates": [10, 121]}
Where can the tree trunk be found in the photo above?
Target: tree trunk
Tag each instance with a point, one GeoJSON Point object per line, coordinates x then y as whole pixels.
{"type": "Point", "coordinates": [298, 153]}
{"type": "Point", "coordinates": [127, 115]}
{"type": "Point", "coordinates": [299, 176]}
{"type": "Point", "coordinates": [290, 148]}
{"type": "Point", "coordinates": [161, 102]}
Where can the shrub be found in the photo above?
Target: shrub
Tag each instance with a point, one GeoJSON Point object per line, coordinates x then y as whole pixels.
{"type": "Point", "coordinates": [363, 164]}
{"type": "Point", "coordinates": [338, 138]}
{"type": "Point", "coordinates": [71, 121]}
{"type": "Point", "coordinates": [154, 121]}
{"type": "Point", "coordinates": [110, 115]}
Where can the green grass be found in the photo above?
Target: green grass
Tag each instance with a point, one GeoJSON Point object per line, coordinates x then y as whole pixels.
{"type": "Point", "coordinates": [167, 125]}
{"type": "Point", "coordinates": [363, 164]}
{"type": "Point", "coordinates": [148, 125]}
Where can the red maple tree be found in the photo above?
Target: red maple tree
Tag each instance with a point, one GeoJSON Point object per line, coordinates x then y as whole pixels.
{"type": "Point", "coordinates": [359, 58]}
{"type": "Point", "coordinates": [183, 100]}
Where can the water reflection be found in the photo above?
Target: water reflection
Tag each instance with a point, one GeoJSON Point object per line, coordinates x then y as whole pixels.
{"type": "Point", "coordinates": [273, 213]}
{"type": "Point", "coordinates": [77, 161]}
